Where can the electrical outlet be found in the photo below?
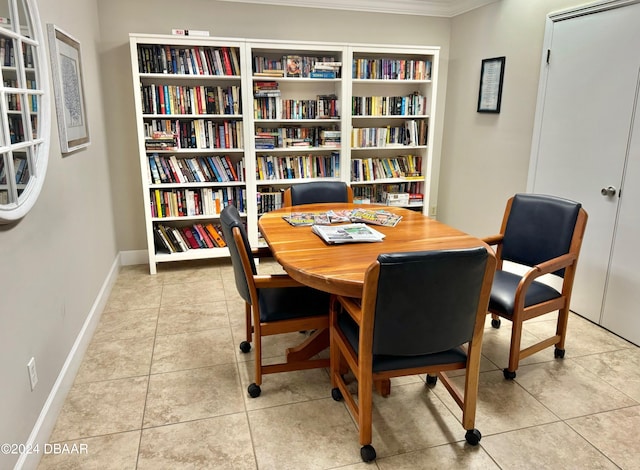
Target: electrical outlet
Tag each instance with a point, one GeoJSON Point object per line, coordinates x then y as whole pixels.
{"type": "Point", "coordinates": [33, 375]}
{"type": "Point", "coordinates": [433, 211]}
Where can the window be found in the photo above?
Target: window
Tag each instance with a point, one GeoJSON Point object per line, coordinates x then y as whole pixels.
{"type": "Point", "coordinates": [24, 108]}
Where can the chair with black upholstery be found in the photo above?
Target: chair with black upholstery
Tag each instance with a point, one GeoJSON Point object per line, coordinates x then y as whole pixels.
{"type": "Point", "coordinates": [317, 192]}
{"type": "Point", "coordinates": [274, 304]}
{"type": "Point", "coordinates": [421, 312]}
{"type": "Point", "coordinates": [543, 234]}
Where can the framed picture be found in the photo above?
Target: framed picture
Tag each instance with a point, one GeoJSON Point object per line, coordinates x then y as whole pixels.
{"type": "Point", "coordinates": [68, 88]}
{"type": "Point", "coordinates": [490, 93]}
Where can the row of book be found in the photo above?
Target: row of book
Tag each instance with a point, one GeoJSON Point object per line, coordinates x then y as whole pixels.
{"type": "Point", "coordinates": [273, 107]}
{"type": "Point", "coordinates": [411, 133]}
{"type": "Point", "coordinates": [154, 58]}
{"type": "Point", "coordinates": [193, 134]}
{"type": "Point", "coordinates": [296, 136]}
{"type": "Point", "coordinates": [414, 104]}
{"type": "Point", "coordinates": [14, 100]}
{"type": "Point", "coordinates": [371, 169]}
{"type": "Point", "coordinates": [269, 167]}
{"type": "Point", "coordinates": [297, 66]}
{"type": "Point", "coordinates": [193, 202]}
{"type": "Point", "coordinates": [169, 239]}
{"type": "Point", "coordinates": [391, 69]}
{"type": "Point", "coordinates": [21, 169]}
{"type": "Point", "coordinates": [269, 201]}
{"type": "Point", "coordinates": [7, 54]}
{"type": "Point", "coordinates": [200, 169]}
{"type": "Point", "coordinates": [175, 99]}
{"type": "Point", "coordinates": [374, 193]}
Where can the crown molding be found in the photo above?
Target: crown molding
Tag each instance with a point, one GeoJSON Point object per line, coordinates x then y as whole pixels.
{"type": "Point", "coordinates": [444, 8]}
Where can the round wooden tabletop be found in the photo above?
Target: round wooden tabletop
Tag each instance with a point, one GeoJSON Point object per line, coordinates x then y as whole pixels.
{"type": "Point", "coordinates": [340, 269]}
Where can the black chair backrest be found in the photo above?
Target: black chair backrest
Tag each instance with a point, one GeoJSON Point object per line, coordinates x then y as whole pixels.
{"type": "Point", "coordinates": [539, 228]}
{"type": "Point", "coordinates": [319, 191]}
{"type": "Point", "coordinates": [230, 218]}
{"type": "Point", "coordinates": [427, 301]}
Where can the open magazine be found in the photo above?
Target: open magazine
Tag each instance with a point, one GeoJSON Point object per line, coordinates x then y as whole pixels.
{"type": "Point", "coordinates": [367, 216]}
{"type": "Point", "coordinates": [349, 233]}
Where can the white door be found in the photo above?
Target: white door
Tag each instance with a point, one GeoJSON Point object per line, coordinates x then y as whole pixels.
{"type": "Point", "coordinates": [582, 130]}
{"type": "Point", "coordinates": [622, 299]}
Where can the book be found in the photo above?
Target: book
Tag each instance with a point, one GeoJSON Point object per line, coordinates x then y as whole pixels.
{"type": "Point", "coordinates": [350, 233]}
{"type": "Point", "coordinates": [293, 66]}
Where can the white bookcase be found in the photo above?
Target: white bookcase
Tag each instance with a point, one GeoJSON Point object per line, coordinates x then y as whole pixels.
{"type": "Point", "coordinates": [291, 126]}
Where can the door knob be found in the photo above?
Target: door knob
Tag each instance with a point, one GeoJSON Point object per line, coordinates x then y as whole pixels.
{"type": "Point", "coordinates": [609, 191]}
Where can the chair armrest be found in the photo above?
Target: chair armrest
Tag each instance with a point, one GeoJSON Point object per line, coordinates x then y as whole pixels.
{"type": "Point", "coordinates": [352, 307]}
{"type": "Point", "coordinates": [493, 239]}
{"type": "Point", "coordinates": [265, 281]}
{"type": "Point", "coordinates": [261, 252]}
{"type": "Point", "coordinates": [554, 264]}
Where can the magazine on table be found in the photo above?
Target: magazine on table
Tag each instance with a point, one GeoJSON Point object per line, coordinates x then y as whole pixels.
{"type": "Point", "coordinates": [375, 217]}
{"type": "Point", "coordinates": [301, 218]}
{"type": "Point", "coordinates": [349, 233]}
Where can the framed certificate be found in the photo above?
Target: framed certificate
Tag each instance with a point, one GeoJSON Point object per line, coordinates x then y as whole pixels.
{"type": "Point", "coordinates": [490, 93]}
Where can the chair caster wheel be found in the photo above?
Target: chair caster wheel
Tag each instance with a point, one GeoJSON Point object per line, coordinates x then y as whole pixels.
{"type": "Point", "coordinates": [336, 394]}
{"type": "Point", "coordinates": [508, 374]}
{"type": "Point", "coordinates": [558, 353]}
{"type": "Point", "coordinates": [245, 346]}
{"type": "Point", "coordinates": [432, 380]}
{"type": "Point", "coordinates": [495, 323]}
{"type": "Point", "coordinates": [473, 437]}
{"type": "Point", "coordinates": [368, 453]}
{"type": "Point", "coordinates": [254, 390]}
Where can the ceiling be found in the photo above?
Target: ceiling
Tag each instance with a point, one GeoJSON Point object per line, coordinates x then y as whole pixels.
{"type": "Point", "coordinates": [445, 8]}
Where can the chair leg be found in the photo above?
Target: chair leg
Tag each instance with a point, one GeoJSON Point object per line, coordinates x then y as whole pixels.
{"type": "Point", "coordinates": [561, 329]}
{"type": "Point", "coordinates": [365, 408]}
{"type": "Point", "coordinates": [247, 319]}
{"type": "Point", "coordinates": [514, 350]}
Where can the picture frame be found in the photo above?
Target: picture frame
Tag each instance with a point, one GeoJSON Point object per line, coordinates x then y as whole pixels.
{"type": "Point", "coordinates": [490, 91]}
{"type": "Point", "coordinates": [68, 88]}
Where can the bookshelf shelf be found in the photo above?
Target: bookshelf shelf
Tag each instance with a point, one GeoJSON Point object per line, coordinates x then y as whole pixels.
{"type": "Point", "coordinates": [321, 109]}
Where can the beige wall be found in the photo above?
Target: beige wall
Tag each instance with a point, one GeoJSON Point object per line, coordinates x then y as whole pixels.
{"type": "Point", "coordinates": [485, 157]}
{"type": "Point", "coordinates": [55, 260]}
{"type": "Point", "coordinates": [118, 18]}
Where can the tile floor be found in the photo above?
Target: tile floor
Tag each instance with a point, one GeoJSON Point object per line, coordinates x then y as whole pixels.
{"type": "Point", "coordinates": [163, 386]}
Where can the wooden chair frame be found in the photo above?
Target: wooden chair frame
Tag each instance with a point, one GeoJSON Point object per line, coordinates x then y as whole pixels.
{"type": "Point", "coordinates": [569, 263]}
{"type": "Point", "coordinates": [297, 358]}
{"type": "Point", "coordinates": [361, 363]}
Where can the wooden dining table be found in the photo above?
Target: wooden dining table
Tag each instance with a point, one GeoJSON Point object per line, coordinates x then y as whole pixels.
{"type": "Point", "coordinates": [340, 268]}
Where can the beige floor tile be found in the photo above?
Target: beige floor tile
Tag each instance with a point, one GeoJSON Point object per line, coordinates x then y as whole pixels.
{"type": "Point", "coordinates": [199, 272]}
{"type": "Point", "coordinates": [126, 324]}
{"type": "Point", "coordinates": [136, 276]}
{"type": "Point", "coordinates": [621, 369]}
{"type": "Point", "coordinates": [284, 387]}
{"type": "Point", "coordinates": [107, 360]}
{"type": "Point", "coordinates": [503, 405]}
{"type": "Point", "coordinates": [196, 292]}
{"type": "Point", "coordinates": [192, 350]}
{"type": "Point", "coordinates": [110, 452]}
{"type": "Point", "coordinates": [99, 408]}
{"type": "Point", "coordinates": [272, 346]}
{"type": "Point", "coordinates": [569, 390]}
{"type": "Point", "coordinates": [583, 337]}
{"type": "Point", "coordinates": [193, 394]}
{"type": "Point", "coordinates": [549, 446]}
{"type": "Point", "coordinates": [454, 456]}
{"type": "Point", "coordinates": [134, 298]}
{"type": "Point", "coordinates": [614, 433]}
{"type": "Point", "coordinates": [192, 317]}
{"type": "Point", "coordinates": [316, 434]}
{"type": "Point", "coordinates": [217, 443]}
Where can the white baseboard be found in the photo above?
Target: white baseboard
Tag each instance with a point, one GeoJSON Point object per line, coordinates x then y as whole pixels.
{"type": "Point", "coordinates": [128, 258]}
{"type": "Point", "coordinates": [49, 414]}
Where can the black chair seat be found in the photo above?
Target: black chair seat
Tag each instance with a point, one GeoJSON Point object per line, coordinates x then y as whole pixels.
{"type": "Point", "coordinates": [286, 303]}
{"type": "Point", "coordinates": [504, 289]}
{"type": "Point", "coordinates": [385, 362]}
